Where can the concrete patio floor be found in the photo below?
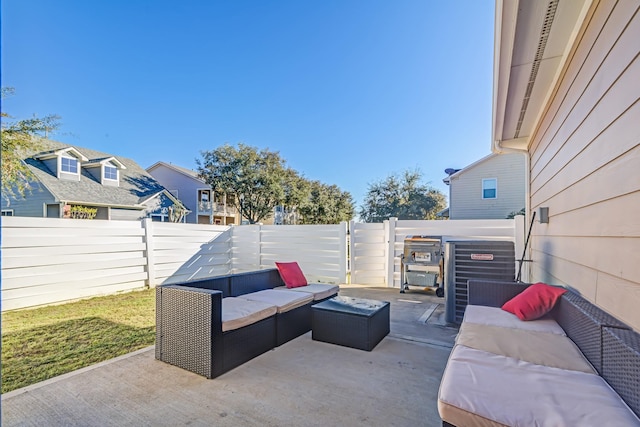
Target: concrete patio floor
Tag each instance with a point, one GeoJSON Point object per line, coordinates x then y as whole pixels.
{"type": "Point", "coordinates": [302, 383]}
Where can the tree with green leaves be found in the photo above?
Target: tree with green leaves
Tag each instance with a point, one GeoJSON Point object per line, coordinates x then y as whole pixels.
{"type": "Point", "coordinates": [261, 181]}
{"type": "Point", "coordinates": [403, 197]}
{"type": "Point", "coordinates": [19, 139]}
{"type": "Point", "coordinates": [515, 213]}
{"type": "Point", "coordinates": [255, 177]}
{"type": "Point", "coordinates": [326, 204]}
{"type": "Point", "coordinates": [296, 189]}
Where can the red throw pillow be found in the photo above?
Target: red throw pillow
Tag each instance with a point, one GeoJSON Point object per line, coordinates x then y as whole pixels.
{"type": "Point", "coordinates": [291, 274]}
{"type": "Point", "coordinates": [534, 302]}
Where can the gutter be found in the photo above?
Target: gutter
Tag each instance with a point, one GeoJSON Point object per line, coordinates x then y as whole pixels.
{"type": "Point", "coordinates": [102, 205]}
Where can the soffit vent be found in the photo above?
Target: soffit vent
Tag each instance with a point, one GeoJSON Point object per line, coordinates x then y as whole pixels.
{"type": "Point", "coordinates": [542, 43]}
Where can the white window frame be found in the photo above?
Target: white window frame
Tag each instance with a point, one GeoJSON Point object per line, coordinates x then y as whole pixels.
{"type": "Point", "coordinates": [105, 172]}
{"type": "Point", "coordinates": [485, 187]}
{"type": "Point", "coordinates": [62, 166]}
{"type": "Point", "coordinates": [7, 212]}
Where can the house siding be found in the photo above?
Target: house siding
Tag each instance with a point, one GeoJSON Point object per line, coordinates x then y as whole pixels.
{"type": "Point", "coordinates": [466, 200]}
{"type": "Point", "coordinates": [34, 203]}
{"type": "Point", "coordinates": [118, 214]}
{"type": "Point", "coordinates": [585, 167]}
{"type": "Point", "coordinates": [187, 188]}
{"type": "Point", "coordinates": [52, 165]}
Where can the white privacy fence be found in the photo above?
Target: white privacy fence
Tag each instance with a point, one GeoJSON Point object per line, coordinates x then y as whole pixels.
{"type": "Point", "coordinates": [487, 229]}
{"type": "Point", "coordinates": [180, 252]}
{"type": "Point", "coordinates": [319, 249]}
{"type": "Point", "coordinates": [376, 248]}
{"type": "Point", "coordinates": [47, 260]}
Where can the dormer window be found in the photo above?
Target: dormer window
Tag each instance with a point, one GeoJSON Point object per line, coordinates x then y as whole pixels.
{"type": "Point", "coordinates": [69, 165]}
{"type": "Point", "coordinates": [63, 163]}
{"type": "Point", "coordinates": [110, 172]}
{"type": "Point", "coordinates": [105, 170]}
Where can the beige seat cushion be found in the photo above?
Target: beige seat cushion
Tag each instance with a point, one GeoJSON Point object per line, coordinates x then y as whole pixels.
{"type": "Point", "coordinates": [284, 300]}
{"type": "Point", "coordinates": [319, 290]}
{"type": "Point", "coordinates": [540, 348]}
{"type": "Point", "coordinates": [484, 389]}
{"type": "Point", "coordinates": [495, 316]}
{"type": "Point", "coordinates": [237, 312]}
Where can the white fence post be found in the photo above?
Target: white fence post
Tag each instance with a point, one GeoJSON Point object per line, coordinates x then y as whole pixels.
{"type": "Point", "coordinates": [260, 251]}
{"type": "Point", "coordinates": [147, 225]}
{"type": "Point", "coordinates": [519, 239]}
{"type": "Point", "coordinates": [352, 252]}
{"type": "Point", "coordinates": [343, 252]}
{"type": "Point", "coordinates": [391, 249]}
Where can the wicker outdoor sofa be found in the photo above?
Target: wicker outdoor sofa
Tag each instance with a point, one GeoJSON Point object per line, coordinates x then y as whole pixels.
{"type": "Point", "coordinates": [213, 325]}
{"type": "Point", "coordinates": [577, 366]}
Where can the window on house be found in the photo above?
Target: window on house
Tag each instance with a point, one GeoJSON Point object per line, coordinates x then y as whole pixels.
{"type": "Point", "coordinates": [110, 173]}
{"type": "Point", "coordinates": [489, 188]}
{"type": "Point", "coordinates": [7, 212]}
{"type": "Point", "coordinates": [69, 165]}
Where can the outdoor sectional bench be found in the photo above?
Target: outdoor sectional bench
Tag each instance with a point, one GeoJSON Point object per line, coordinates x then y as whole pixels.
{"type": "Point", "coordinates": [576, 366]}
{"type": "Point", "coordinates": [213, 325]}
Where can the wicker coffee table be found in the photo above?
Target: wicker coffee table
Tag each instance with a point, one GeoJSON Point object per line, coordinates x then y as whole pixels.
{"type": "Point", "coordinates": [351, 322]}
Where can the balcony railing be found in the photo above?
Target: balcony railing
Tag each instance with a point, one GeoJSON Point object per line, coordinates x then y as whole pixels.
{"type": "Point", "coordinates": [216, 208]}
{"type": "Point", "coordinates": [205, 207]}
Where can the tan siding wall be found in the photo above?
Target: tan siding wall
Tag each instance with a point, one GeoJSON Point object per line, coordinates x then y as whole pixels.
{"type": "Point", "coordinates": [466, 200]}
{"type": "Point", "coordinates": [585, 166]}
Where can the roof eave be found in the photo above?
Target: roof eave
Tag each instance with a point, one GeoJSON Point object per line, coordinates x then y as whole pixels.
{"type": "Point", "coordinates": [173, 168]}
{"type": "Point", "coordinates": [504, 38]}
{"type": "Point", "coordinates": [515, 40]}
{"type": "Point", "coordinates": [471, 166]}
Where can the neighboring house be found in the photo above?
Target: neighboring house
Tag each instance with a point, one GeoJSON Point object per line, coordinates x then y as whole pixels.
{"type": "Point", "coordinates": [69, 181]}
{"type": "Point", "coordinates": [567, 94]}
{"type": "Point", "coordinates": [205, 206]}
{"type": "Point", "coordinates": [491, 188]}
{"type": "Point", "coordinates": [284, 216]}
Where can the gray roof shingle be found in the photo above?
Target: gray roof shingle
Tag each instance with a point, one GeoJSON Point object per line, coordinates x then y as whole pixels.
{"type": "Point", "coordinates": [136, 185]}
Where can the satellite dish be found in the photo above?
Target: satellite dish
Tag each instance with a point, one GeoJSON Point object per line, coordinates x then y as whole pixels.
{"type": "Point", "coordinates": [450, 171]}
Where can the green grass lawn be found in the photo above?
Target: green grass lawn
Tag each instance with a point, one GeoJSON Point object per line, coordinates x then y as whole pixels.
{"type": "Point", "coordinates": [41, 343]}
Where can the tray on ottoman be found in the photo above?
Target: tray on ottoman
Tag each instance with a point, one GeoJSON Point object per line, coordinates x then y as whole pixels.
{"type": "Point", "coordinates": [351, 322]}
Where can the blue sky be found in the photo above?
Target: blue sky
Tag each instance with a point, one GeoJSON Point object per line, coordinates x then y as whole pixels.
{"type": "Point", "coordinates": [348, 91]}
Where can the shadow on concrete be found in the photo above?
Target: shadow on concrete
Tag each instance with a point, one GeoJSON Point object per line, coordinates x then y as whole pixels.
{"type": "Point", "coordinates": [301, 383]}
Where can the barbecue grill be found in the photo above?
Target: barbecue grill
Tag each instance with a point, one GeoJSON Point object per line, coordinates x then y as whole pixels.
{"type": "Point", "coordinates": [422, 264]}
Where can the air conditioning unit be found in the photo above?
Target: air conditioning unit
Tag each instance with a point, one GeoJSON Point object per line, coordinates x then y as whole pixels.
{"type": "Point", "coordinates": [474, 259]}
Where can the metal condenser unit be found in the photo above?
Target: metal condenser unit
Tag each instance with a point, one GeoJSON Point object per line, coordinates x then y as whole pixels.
{"type": "Point", "coordinates": [464, 260]}
{"type": "Point", "coordinates": [422, 264]}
